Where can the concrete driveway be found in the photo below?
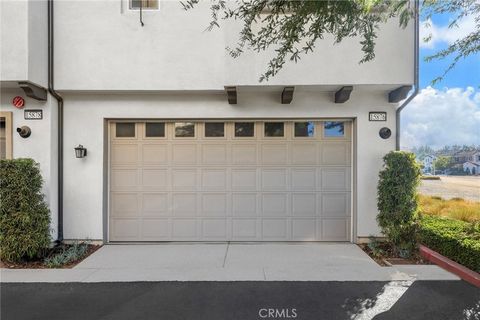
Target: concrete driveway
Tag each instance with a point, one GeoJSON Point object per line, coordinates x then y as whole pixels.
{"type": "Point", "coordinates": [229, 262]}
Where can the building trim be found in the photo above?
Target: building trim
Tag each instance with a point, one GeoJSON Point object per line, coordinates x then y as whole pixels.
{"type": "Point", "coordinates": [8, 134]}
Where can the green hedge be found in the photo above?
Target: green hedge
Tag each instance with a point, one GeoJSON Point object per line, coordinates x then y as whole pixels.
{"type": "Point", "coordinates": [455, 239]}
{"type": "Point", "coordinates": [24, 215]}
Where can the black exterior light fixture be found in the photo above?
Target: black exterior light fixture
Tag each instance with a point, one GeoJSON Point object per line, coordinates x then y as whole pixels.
{"type": "Point", "coordinates": [24, 131]}
{"type": "Point", "coordinates": [80, 151]}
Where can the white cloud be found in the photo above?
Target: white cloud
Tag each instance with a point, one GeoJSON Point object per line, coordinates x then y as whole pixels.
{"type": "Point", "coordinates": [442, 117]}
{"type": "Point", "coordinates": [444, 34]}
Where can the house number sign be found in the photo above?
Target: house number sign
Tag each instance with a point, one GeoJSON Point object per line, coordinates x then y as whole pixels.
{"type": "Point", "coordinates": [377, 116]}
{"type": "Point", "coordinates": [33, 114]}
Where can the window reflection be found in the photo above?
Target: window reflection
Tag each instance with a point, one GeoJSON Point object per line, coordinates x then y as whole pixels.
{"type": "Point", "coordinates": [304, 129]}
{"type": "Point", "coordinates": [274, 129]}
{"type": "Point", "coordinates": [334, 129]}
{"type": "Point", "coordinates": [184, 129]}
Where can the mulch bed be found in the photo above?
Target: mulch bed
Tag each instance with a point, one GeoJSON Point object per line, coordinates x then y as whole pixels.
{"type": "Point", "coordinates": [389, 257]}
{"type": "Point", "coordinates": [38, 263]}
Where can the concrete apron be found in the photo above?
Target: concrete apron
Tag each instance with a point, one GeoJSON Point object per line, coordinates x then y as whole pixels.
{"type": "Point", "coordinates": [229, 262]}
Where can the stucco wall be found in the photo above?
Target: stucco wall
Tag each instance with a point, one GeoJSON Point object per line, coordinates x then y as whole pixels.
{"type": "Point", "coordinates": [24, 47]}
{"type": "Point", "coordinates": [14, 43]}
{"type": "Point", "coordinates": [84, 124]}
{"type": "Point", "coordinates": [38, 42]}
{"type": "Point", "coordinates": [100, 45]}
{"type": "Point", "coordinates": [40, 146]}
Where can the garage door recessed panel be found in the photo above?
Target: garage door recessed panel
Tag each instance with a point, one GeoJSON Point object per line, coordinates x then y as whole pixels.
{"type": "Point", "coordinates": [214, 204]}
{"type": "Point", "coordinates": [274, 204]}
{"type": "Point", "coordinates": [184, 204]}
{"type": "Point", "coordinates": [185, 228]}
{"type": "Point", "coordinates": [156, 229]}
{"type": "Point", "coordinates": [304, 204]}
{"type": "Point", "coordinates": [304, 229]}
{"type": "Point", "coordinates": [244, 154]}
{"type": "Point", "coordinates": [244, 228]}
{"type": "Point", "coordinates": [155, 154]}
{"type": "Point", "coordinates": [155, 204]}
{"type": "Point", "coordinates": [274, 229]}
{"type": "Point", "coordinates": [274, 154]}
{"type": "Point", "coordinates": [244, 204]}
{"type": "Point", "coordinates": [184, 154]}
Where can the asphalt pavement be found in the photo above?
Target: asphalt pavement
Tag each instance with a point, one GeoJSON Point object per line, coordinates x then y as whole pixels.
{"type": "Point", "coordinates": [241, 300]}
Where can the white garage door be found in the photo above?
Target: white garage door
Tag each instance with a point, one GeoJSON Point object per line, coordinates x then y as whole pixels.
{"type": "Point", "coordinates": [239, 181]}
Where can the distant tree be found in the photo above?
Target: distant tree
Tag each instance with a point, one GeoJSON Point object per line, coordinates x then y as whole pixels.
{"type": "Point", "coordinates": [442, 163]}
{"type": "Point", "coordinates": [422, 151]}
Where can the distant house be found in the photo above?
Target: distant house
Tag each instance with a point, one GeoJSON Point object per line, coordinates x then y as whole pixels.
{"type": "Point", "coordinates": [428, 163]}
{"type": "Point", "coordinates": [472, 167]}
{"type": "Point", "coordinates": [464, 156]}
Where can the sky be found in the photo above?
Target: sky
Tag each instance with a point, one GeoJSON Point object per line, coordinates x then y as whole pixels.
{"type": "Point", "coordinates": [448, 112]}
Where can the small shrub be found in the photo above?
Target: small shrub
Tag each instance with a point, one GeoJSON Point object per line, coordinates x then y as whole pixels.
{"type": "Point", "coordinates": [397, 200]}
{"type": "Point", "coordinates": [24, 215]}
{"type": "Point", "coordinates": [73, 253]}
{"type": "Point", "coordinates": [457, 240]}
{"type": "Point", "coordinates": [375, 247]}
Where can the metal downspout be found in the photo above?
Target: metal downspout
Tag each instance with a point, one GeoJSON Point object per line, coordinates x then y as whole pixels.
{"type": "Point", "coordinates": [60, 119]}
{"type": "Point", "coordinates": [416, 77]}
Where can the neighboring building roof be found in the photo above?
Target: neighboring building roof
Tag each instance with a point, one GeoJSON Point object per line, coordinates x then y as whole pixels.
{"type": "Point", "coordinates": [477, 164]}
{"type": "Point", "coordinates": [465, 153]}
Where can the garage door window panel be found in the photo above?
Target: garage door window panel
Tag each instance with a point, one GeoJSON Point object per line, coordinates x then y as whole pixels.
{"type": "Point", "coordinates": [333, 129]}
{"type": "Point", "coordinates": [274, 129]}
{"type": "Point", "coordinates": [125, 130]}
{"type": "Point", "coordinates": [244, 129]}
{"type": "Point", "coordinates": [214, 130]}
{"type": "Point", "coordinates": [155, 130]}
{"type": "Point", "coordinates": [184, 130]}
{"type": "Point", "coordinates": [304, 129]}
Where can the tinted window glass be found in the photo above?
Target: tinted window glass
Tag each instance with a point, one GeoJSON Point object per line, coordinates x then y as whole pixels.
{"type": "Point", "coordinates": [274, 129]}
{"type": "Point", "coordinates": [145, 4]}
{"type": "Point", "coordinates": [155, 129]}
{"type": "Point", "coordinates": [334, 129]}
{"type": "Point", "coordinates": [304, 129]}
{"type": "Point", "coordinates": [184, 129]}
{"type": "Point", "coordinates": [125, 129]}
{"type": "Point", "coordinates": [244, 129]}
{"type": "Point", "coordinates": [214, 129]}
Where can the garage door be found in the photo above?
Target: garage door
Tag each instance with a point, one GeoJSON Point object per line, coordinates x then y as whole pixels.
{"type": "Point", "coordinates": [239, 181]}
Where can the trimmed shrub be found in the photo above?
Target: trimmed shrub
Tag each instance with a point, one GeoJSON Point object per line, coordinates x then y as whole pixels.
{"type": "Point", "coordinates": [397, 200]}
{"type": "Point", "coordinates": [71, 254]}
{"type": "Point", "coordinates": [24, 215]}
{"type": "Point", "coordinates": [455, 239]}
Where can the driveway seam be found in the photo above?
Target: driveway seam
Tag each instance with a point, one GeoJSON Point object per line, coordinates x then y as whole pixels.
{"type": "Point", "coordinates": [226, 253]}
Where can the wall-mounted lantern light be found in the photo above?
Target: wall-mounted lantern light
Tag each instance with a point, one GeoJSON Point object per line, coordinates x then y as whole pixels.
{"type": "Point", "coordinates": [24, 131]}
{"type": "Point", "coordinates": [80, 151]}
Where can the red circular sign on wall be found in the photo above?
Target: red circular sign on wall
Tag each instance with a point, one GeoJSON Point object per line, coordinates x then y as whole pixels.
{"type": "Point", "coordinates": [18, 102]}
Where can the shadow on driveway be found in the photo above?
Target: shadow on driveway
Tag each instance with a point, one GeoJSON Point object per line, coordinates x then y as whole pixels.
{"type": "Point", "coordinates": [241, 300]}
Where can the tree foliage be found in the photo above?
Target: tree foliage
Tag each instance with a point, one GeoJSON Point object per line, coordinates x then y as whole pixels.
{"type": "Point", "coordinates": [293, 27]}
{"type": "Point", "coordinates": [462, 47]}
{"type": "Point", "coordinates": [397, 199]}
{"type": "Point", "coordinates": [442, 163]}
